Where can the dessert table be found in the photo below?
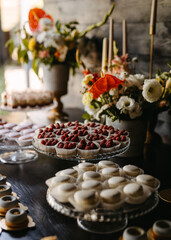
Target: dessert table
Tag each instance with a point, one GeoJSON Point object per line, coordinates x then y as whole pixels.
{"type": "Point", "coordinates": [28, 181]}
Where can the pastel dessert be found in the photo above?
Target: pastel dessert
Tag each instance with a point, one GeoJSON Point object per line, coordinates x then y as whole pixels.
{"type": "Point", "coordinates": [63, 191]}
{"type": "Point", "coordinates": [48, 145]}
{"type": "Point", "coordinates": [87, 149]}
{"type": "Point", "coordinates": [22, 126]}
{"type": "Point", "coordinates": [134, 233]}
{"type": "Point", "coordinates": [28, 131]}
{"type": "Point", "coordinates": [91, 175]}
{"type": "Point", "coordinates": [91, 184]}
{"type": "Point", "coordinates": [25, 140]}
{"type": "Point", "coordinates": [37, 126]}
{"type": "Point", "coordinates": [5, 190]}
{"type": "Point", "coordinates": [111, 199]}
{"type": "Point", "coordinates": [7, 202]}
{"type": "Point", "coordinates": [16, 218]}
{"type": "Point", "coordinates": [136, 193]}
{"type": "Point", "coordinates": [148, 180]}
{"type": "Point", "coordinates": [55, 181]}
{"type": "Point", "coordinates": [3, 132]}
{"type": "Point", "coordinates": [110, 172]}
{"type": "Point", "coordinates": [84, 200]}
{"type": "Point", "coordinates": [109, 145]}
{"type": "Point", "coordinates": [117, 181]}
{"type": "Point", "coordinates": [13, 136]}
{"type": "Point", "coordinates": [131, 170]}
{"type": "Point", "coordinates": [86, 166]}
{"type": "Point", "coordinates": [69, 171]}
{"type": "Point", "coordinates": [66, 149]}
{"type": "Point", "coordinates": [106, 163]}
{"type": "Point", "coordinates": [9, 125]}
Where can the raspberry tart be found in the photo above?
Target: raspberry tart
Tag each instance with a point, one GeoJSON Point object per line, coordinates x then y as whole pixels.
{"type": "Point", "coordinates": [66, 149]}
{"type": "Point", "coordinates": [87, 149]}
{"type": "Point", "coordinates": [109, 145]}
{"type": "Point", "coordinates": [48, 145]}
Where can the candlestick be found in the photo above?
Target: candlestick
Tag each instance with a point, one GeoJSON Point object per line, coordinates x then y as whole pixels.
{"type": "Point", "coordinates": [124, 37]}
{"type": "Point", "coordinates": [111, 37]}
{"type": "Point", "coordinates": [104, 55]}
{"type": "Point", "coordinates": [152, 31]}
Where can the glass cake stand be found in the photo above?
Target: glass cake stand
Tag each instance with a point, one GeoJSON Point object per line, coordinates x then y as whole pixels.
{"type": "Point", "coordinates": [104, 221]}
{"type": "Point", "coordinates": [99, 157]}
{"type": "Point", "coordinates": [16, 154]}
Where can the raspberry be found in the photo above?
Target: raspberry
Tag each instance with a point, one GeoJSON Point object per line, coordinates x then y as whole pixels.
{"type": "Point", "coordinates": [93, 146]}
{"type": "Point", "coordinates": [123, 138]}
{"type": "Point", "coordinates": [117, 138]}
{"type": "Point", "coordinates": [88, 148]}
{"type": "Point", "coordinates": [43, 142]}
{"type": "Point", "coordinates": [60, 145]}
{"type": "Point", "coordinates": [63, 138]}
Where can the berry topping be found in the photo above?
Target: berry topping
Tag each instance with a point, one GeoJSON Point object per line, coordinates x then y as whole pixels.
{"type": "Point", "coordinates": [49, 142]}
{"type": "Point", "coordinates": [67, 145]}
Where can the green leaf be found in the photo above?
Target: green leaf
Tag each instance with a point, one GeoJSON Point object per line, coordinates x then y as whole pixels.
{"type": "Point", "coordinates": [169, 64]}
{"type": "Point", "coordinates": [10, 44]}
{"type": "Point", "coordinates": [86, 116]}
{"type": "Point", "coordinates": [25, 42]}
{"type": "Point", "coordinates": [19, 53]}
{"type": "Point", "coordinates": [58, 26]}
{"type": "Point", "coordinates": [35, 65]}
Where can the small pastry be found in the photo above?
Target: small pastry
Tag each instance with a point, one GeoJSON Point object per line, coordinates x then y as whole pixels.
{"type": "Point", "coordinates": [106, 163]}
{"type": "Point", "coordinates": [7, 202]}
{"type": "Point", "coordinates": [1, 137]}
{"type": "Point", "coordinates": [37, 126]}
{"type": "Point", "coordinates": [48, 145]}
{"type": "Point", "coordinates": [10, 125]}
{"type": "Point", "coordinates": [3, 132]}
{"type": "Point", "coordinates": [95, 137]}
{"type": "Point", "coordinates": [21, 127]}
{"type": "Point", "coordinates": [84, 200]}
{"type": "Point", "coordinates": [69, 171]}
{"type": "Point", "coordinates": [66, 149]}
{"type": "Point", "coordinates": [148, 180]}
{"type": "Point", "coordinates": [86, 166]}
{"type": "Point", "coordinates": [109, 145]}
{"type": "Point", "coordinates": [93, 125]}
{"type": "Point", "coordinates": [91, 175]}
{"type": "Point", "coordinates": [5, 190]}
{"type": "Point", "coordinates": [55, 181]}
{"type": "Point", "coordinates": [122, 139]}
{"type": "Point", "coordinates": [16, 218]}
{"type": "Point", "coordinates": [111, 199]}
{"type": "Point", "coordinates": [131, 170]}
{"type": "Point", "coordinates": [91, 184]}
{"type": "Point", "coordinates": [134, 233]}
{"type": "Point", "coordinates": [25, 140]}
{"type": "Point", "coordinates": [3, 180]}
{"type": "Point", "coordinates": [103, 132]}
{"type": "Point", "coordinates": [13, 136]}
{"type": "Point", "coordinates": [87, 149]}
{"type": "Point", "coordinates": [110, 172]}
{"type": "Point", "coordinates": [27, 131]}
{"type": "Point", "coordinates": [136, 193]}
{"type": "Point", "coordinates": [117, 181]}
{"type": "Point", "coordinates": [161, 230]}
{"type": "Point", "coordinates": [63, 191]}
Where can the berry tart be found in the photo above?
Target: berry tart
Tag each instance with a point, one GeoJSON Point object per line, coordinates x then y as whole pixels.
{"type": "Point", "coordinates": [95, 137]}
{"type": "Point", "coordinates": [109, 145]}
{"type": "Point", "coordinates": [66, 149]}
{"type": "Point", "coordinates": [48, 145]}
{"type": "Point", "coordinates": [87, 149]}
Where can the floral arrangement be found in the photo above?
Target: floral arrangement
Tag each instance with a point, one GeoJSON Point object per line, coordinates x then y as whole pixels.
{"type": "Point", "coordinates": [48, 42]}
{"type": "Point", "coordinates": [124, 97]}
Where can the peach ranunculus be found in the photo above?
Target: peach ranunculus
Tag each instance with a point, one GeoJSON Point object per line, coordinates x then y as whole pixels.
{"type": "Point", "coordinates": [44, 53]}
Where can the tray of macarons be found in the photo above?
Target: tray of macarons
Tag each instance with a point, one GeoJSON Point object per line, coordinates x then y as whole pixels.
{"type": "Point", "coordinates": [78, 141]}
{"type": "Point", "coordinates": [102, 192]}
{"type": "Point", "coordinates": [16, 136]}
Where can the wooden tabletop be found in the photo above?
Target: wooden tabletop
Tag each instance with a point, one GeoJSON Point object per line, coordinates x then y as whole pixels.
{"type": "Point", "coordinates": [28, 181]}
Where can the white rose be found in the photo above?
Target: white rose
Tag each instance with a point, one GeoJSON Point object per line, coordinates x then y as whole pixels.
{"type": "Point", "coordinates": [133, 81]}
{"type": "Point", "coordinates": [136, 111]}
{"type": "Point", "coordinates": [125, 103]}
{"type": "Point", "coordinates": [152, 90]}
{"type": "Point", "coordinates": [86, 80]}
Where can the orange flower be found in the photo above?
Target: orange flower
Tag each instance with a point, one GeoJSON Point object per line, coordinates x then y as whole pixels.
{"type": "Point", "coordinates": [104, 84]}
{"type": "Point", "coordinates": [35, 15]}
{"type": "Point", "coordinates": [57, 54]}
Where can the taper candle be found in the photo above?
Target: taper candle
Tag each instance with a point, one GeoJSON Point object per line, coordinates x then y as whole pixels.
{"type": "Point", "coordinates": [111, 38]}
{"type": "Point", "coordinates": [124, 37]}
{"type": "Point", "coordinates": [104, 55]}
{"type": "Point", "coordinates": [152, 29]}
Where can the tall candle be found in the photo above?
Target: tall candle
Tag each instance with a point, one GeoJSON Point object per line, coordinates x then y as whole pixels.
{"type": "Point", "coordinates": [111, 37]}
{"type": "Point", "coordinates": [153, 17]}
{"type": "Point", "coordinates": [124, 37]}
{"type": "Point", "coordinates": [104, 55]}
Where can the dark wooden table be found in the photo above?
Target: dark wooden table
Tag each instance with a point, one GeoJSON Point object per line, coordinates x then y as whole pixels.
{"type": "Point", "coordinates": [28, 181]}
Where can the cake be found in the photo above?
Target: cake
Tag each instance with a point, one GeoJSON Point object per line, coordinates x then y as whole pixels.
{"type": "Point", "coordinates": [16, 218]}
{"type": "Point", "coordinates": [7, 202]}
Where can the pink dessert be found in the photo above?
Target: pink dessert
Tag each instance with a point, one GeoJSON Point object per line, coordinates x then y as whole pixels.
{"type": "Point", "coordinates": [10, 125]}
{"type": "Point", "coordinates": [66, 149]}
{"type": "Point", "coordinates": [21, 127]}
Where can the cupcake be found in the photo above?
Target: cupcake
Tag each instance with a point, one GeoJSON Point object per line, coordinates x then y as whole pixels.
{"type": "Point", "coordinates": [109, 172]}
{"type": "Point", "coordinates": [87, 149]}
{"type": "Point", "coordinates": [131, 170]}
{"type": "Point", "coordinates": [69, 172]}
{"type": "Point", "coordinates": [95, 137]}
{"type": "Point", "coordinates": [48, 145]}
{"type": "Point", "coordinates": [117, 181]}
{"type": "Point", "coordinates": [66, 149]}
{"type": "Point", "coordinates": [91, 184]}
{"type": "Point", "coordinates": [85, 166]}
{"type": "Point", "coordinates": [7, 202]}
{"type": "Point", "coordinates": [55, 181]}
{"type": "Point", "coordinates": [91, 175]}
{"type": "Point", "coordinates": [16, 218]}
{"type": "Point", "coordinates": [109, 146]}
{"type": "Point", "coordinates": [106, 163]}
{"type": "Point", "coordinates": [148, 180]}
